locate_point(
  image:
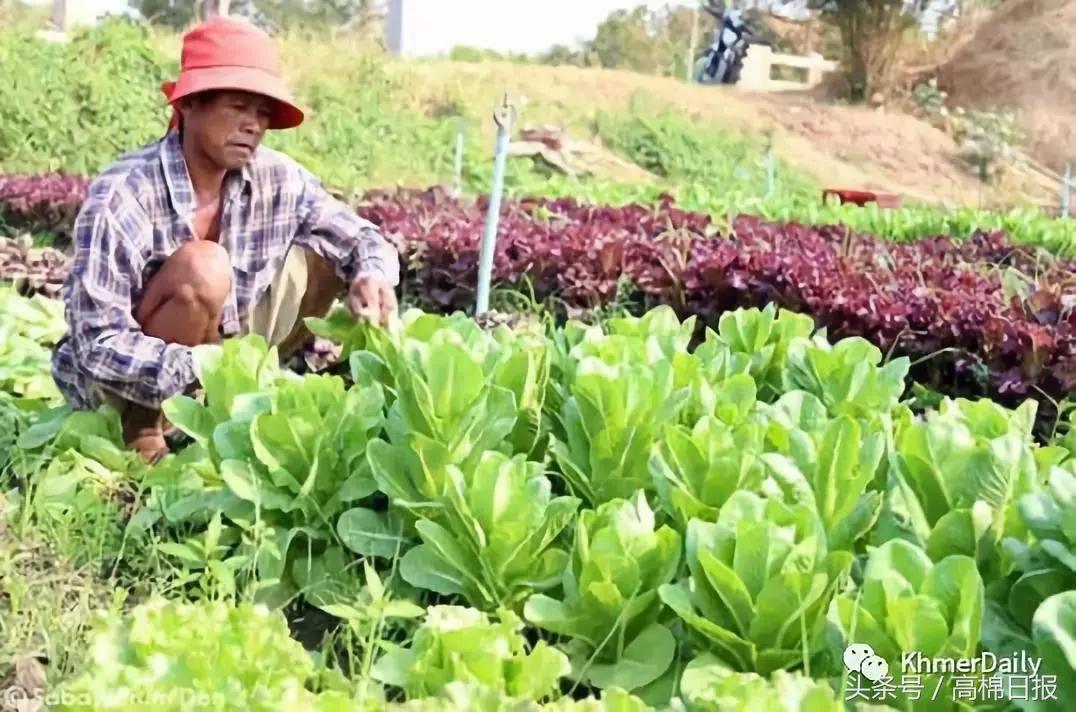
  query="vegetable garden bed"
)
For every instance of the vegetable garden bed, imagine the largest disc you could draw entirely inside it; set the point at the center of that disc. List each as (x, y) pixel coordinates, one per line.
(697, 501)
(508, 517)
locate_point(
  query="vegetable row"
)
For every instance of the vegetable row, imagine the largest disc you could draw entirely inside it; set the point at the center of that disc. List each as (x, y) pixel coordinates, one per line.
(698, 526)
(978, 316)
(49, 203)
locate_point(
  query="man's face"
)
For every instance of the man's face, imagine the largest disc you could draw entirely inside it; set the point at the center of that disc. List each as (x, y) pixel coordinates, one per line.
(227, 126)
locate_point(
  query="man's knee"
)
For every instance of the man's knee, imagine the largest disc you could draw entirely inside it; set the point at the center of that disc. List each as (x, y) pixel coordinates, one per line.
(201, 273)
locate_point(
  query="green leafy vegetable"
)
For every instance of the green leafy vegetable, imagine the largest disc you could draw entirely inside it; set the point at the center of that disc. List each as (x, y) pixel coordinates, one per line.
(461, 645)
(496, 544)
(910, 604)
(610, 606)
(708, 684)
(206, 655)
(761, 580)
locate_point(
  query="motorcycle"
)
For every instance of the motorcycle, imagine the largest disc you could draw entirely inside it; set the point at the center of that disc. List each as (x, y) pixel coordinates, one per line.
(723, 61)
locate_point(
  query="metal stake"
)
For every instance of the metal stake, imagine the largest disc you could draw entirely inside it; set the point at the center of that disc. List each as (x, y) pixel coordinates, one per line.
(504, 116)
(1066, 192)
(459, 158)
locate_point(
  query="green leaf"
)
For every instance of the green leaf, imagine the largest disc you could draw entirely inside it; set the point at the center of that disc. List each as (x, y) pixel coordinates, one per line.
(182, 552)
(455, 556)
(967, 532)
(834, 483)
(734, 597)
(918, 623)
(244, 483)
(359, 485)
(402, 609)
(1031, 589)
(739, 653)
(104, 451)
(901, 558)
(553, 615)
(394, 668)
(857, 523)
(190, 417)
(1054, 631)
(287, 446)
(540, 672)
(644, 660)
(371, 533)
(781, 610)
(455, 381)
(272, 556)
(423, 568)
(231, 441)
(956, 584)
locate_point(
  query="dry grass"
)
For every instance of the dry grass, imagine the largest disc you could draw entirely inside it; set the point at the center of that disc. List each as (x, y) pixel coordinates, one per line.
(1023, 59)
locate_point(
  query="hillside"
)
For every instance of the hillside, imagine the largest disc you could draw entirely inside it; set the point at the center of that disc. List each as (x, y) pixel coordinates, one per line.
(1022, 58)
(377, 121)
(834, 145)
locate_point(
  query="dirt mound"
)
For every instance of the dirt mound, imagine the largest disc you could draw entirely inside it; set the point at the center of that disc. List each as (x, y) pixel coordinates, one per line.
(1023, 59)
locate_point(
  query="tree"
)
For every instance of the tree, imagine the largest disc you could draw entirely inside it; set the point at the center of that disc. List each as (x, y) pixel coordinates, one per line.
(623, 41)
(214, 8)
(560, 54)
(178, 14)
(332, 13)
(871, 34)
(653, 42)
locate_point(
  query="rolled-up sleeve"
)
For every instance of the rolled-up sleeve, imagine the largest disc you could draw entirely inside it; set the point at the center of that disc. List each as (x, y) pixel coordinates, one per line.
(351, 243)
(106, 341)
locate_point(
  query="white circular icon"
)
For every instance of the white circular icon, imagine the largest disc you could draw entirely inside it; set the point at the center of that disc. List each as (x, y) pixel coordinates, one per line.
(855, 654)
(860, 657)
(874, 668)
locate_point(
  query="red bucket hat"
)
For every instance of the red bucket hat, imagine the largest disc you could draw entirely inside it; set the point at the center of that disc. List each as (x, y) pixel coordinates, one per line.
(225, 53)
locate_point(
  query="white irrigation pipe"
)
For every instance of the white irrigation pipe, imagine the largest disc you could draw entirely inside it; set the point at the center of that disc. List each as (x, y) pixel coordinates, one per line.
(504, 116)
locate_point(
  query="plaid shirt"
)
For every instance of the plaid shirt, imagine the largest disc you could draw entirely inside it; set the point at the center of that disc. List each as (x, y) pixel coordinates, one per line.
(138, 212)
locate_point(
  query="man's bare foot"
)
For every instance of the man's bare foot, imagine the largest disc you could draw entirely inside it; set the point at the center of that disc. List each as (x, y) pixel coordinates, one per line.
(143, 431)
(150, 445)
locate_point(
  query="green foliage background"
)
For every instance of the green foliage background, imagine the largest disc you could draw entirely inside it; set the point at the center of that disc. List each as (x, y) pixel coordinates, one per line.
(74, 107)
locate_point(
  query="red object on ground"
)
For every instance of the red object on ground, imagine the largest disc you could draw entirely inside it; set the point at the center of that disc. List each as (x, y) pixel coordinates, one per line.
(862, 197)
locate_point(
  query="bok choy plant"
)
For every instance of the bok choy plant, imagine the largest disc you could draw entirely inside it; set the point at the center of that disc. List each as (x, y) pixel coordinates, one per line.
(290, 451)
(462, 645)
(496, 545)
(761, 580)
(609, 609)
(908, 604)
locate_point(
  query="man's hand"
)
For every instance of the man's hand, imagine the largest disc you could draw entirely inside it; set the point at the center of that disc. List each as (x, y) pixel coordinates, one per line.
(373, 299)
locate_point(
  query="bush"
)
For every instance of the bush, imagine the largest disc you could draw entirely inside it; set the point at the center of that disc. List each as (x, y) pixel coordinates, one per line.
(63, 114)
(75, 106)
(682, 151)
